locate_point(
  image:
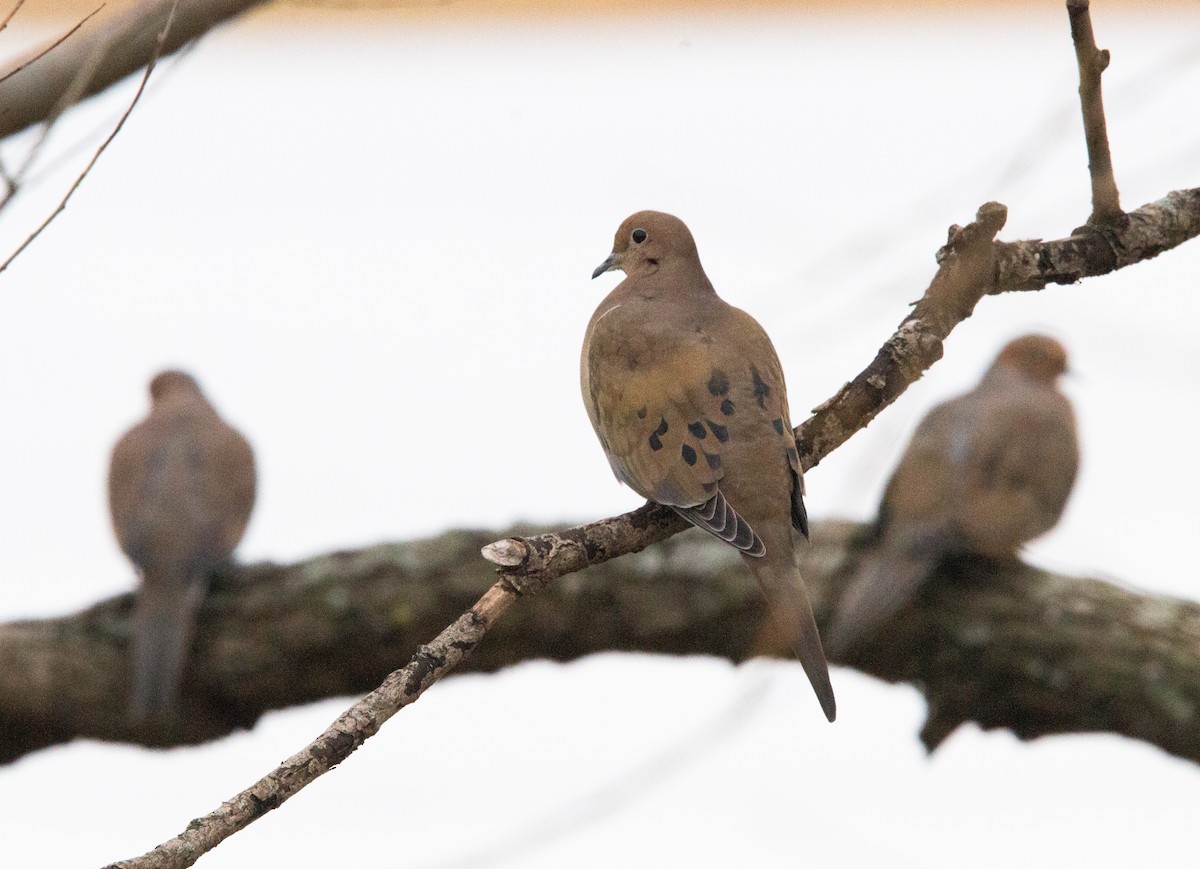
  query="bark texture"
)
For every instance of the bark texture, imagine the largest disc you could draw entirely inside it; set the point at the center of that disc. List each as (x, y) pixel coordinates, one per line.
(1000, 644)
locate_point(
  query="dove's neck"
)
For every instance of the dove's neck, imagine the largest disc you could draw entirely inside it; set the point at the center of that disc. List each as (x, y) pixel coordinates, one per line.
(671, 282)
(1008, 376)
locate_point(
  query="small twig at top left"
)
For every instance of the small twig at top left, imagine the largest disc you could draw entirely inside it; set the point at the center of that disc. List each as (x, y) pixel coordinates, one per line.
(9, 16)
(14, 180)
(53, 45)
(62, 205)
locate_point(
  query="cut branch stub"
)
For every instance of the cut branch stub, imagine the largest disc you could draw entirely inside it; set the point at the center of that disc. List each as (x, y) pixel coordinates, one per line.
(549, 556)
(509, 552)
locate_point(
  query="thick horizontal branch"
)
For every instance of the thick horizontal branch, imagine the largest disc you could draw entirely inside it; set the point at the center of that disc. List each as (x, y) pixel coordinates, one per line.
(100, 54)
(999, 644)
(1147, 232)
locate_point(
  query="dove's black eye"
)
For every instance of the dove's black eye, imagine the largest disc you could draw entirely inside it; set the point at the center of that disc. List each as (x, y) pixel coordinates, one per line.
(639, 235)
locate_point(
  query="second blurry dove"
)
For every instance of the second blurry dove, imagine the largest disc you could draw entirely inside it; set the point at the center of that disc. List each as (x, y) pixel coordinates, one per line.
(984, 473)
(181, 487)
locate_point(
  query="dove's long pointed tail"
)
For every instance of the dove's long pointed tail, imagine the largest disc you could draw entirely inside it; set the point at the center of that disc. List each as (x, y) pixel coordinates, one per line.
(792, 612)
(162, 636)
(888, 580)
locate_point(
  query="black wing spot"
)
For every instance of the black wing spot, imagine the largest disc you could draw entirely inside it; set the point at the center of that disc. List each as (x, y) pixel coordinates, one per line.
(778, 423)
(719, 431)
(662, 427)
(689, 454)
(641, 413)
(761, 390)
(718, 382)
(655, 443)
(727, 407)
(793, 455)
(697, 430)
(714, 461)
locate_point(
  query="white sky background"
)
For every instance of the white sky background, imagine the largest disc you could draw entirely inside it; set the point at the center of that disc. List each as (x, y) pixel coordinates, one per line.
(371, 240)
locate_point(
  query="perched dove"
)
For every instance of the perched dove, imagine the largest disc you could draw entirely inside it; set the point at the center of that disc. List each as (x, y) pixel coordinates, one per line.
(687, 397)
(180, 487)
(983, 474)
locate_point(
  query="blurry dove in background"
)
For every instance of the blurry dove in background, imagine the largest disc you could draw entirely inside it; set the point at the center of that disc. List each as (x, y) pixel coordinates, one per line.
(983, 474)
(687, 397)
(180, 488)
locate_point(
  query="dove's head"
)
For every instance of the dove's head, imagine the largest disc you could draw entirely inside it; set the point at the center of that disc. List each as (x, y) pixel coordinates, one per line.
(170, 383)
(1038, 357)
(648, 240)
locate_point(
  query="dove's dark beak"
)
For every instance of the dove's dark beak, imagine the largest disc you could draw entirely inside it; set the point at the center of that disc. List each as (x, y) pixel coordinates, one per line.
(605, 266)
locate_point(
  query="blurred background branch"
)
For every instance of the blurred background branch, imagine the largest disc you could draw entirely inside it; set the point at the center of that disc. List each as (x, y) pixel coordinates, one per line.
(1002, 645)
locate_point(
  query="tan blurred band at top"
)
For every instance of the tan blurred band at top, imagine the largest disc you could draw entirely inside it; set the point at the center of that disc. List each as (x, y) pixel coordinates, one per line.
(58, 9)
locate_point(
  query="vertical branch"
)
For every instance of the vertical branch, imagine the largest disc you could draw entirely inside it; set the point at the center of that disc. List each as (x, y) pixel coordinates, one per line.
(1106, 204)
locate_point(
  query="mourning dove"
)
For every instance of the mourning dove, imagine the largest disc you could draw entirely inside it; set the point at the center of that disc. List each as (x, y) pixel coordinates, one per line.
(687, 397)
(984, 473)
(180, 488)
